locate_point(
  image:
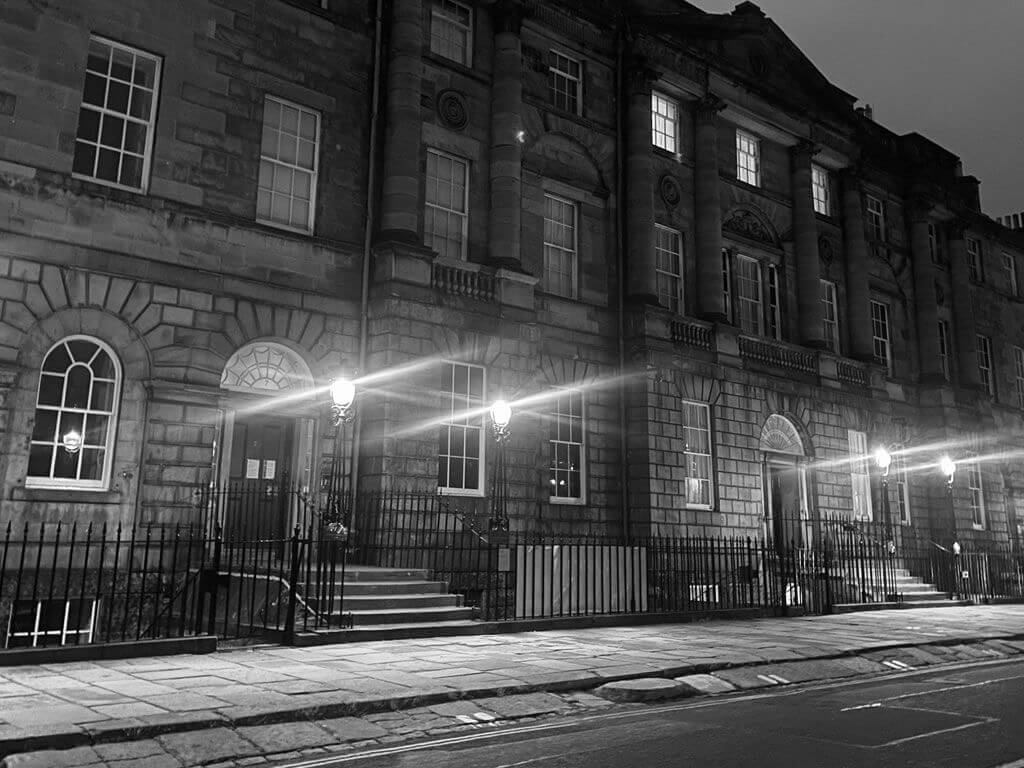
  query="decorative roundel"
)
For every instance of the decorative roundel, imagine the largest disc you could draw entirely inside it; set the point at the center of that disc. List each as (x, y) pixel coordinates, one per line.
(451, 106)
(826, 250)
(670, 191)
(940, 294)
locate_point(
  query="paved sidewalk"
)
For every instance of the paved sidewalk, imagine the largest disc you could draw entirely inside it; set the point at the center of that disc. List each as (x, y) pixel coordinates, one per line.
(60, 706)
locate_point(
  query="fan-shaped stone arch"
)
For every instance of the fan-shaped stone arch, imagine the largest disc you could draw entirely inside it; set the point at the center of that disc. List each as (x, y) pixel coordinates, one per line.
(266, 368)
(751, 223)
(779, 435)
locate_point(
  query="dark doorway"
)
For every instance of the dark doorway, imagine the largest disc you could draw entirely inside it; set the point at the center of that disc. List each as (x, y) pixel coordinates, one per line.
(261, 454)
(784, 522)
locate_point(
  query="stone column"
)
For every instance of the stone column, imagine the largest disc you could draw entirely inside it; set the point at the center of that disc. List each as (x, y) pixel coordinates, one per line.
(805, 244)
(855, 249)
(926, 312)
(708, 210)
(964, 331)
(400, 199)
(506, 142)
(642, 285)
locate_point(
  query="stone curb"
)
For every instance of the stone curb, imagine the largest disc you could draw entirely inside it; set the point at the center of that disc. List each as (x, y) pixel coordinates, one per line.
(320, 707)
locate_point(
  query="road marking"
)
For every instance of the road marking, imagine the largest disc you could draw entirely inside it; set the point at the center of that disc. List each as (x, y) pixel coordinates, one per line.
(872, 705)
(770, 679)
(897, 664)
(906, 739)
(1014, 764)
(779, 679)
(713, 701)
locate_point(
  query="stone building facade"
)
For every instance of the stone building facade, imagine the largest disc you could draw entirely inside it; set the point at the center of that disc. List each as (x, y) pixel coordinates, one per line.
(708, 284)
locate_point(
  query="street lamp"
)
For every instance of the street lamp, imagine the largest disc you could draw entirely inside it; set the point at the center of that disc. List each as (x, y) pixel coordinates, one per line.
(883, 459)
(948, 468)
(501, 415)
(343, 395)
(72, 441)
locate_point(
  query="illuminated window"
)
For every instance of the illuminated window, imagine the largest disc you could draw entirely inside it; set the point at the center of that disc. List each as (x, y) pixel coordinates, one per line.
(748, 158)
(664, 122)
(821, 189)
(564, 82)
(460, 436)
(668, 247)
(42, 623)
(974, 268)
(985, 373)
(451, 30)
(289, 156)
(566, 449)
(1010, 268)
(75, 418)
(1018, 366)
(446, 217)
(696, 433)
(876, 218)
(977, 494)
(748, 294)
(559, 246)
(860, 474)
(114, 142)
(830, 315)
(944, 349)
(882, 346)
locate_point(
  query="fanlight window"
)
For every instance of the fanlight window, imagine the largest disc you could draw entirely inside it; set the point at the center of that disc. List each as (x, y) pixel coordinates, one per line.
(76, 415)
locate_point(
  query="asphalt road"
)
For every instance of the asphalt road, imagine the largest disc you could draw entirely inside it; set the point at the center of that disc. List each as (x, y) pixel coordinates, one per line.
(968, 716)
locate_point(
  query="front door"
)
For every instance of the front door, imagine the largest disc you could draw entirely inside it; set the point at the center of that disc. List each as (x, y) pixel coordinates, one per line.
(261, 454)
(786, 521)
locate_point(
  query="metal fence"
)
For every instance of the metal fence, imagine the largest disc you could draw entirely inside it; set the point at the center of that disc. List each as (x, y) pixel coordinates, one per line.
(258, 576)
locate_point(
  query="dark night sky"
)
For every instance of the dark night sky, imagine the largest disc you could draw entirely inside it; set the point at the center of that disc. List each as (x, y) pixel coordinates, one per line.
(951, 70)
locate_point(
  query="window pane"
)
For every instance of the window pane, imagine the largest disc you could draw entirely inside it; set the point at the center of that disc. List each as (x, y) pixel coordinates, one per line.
(45, 428)
(70, 422)
(89, 125)
(76, 393)
(85, 159)
(50, 389)
(96, 429)
(95, 90)
(117, 96)
(107, 168)
(39, 459)
(92, 464)
(131, 171)
(66, 465)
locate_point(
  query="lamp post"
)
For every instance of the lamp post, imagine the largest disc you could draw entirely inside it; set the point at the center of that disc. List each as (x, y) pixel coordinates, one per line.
(948, 468)
(343, 395)
(501, 415)
(883, 459)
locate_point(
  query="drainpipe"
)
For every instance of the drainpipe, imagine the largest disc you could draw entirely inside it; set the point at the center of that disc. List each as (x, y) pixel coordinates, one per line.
(620, 265)
(371, 185)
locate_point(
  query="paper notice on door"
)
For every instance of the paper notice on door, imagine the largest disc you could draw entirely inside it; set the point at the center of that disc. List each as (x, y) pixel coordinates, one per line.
(252, 469)
(269, 467)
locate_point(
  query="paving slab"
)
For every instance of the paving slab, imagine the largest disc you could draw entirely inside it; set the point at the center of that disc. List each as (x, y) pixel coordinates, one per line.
(200, 747)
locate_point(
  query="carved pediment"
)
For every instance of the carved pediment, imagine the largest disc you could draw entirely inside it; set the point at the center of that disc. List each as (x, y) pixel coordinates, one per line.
(746, 223)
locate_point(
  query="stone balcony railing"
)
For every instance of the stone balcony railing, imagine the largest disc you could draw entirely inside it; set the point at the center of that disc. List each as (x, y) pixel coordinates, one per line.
(692, 333)
(777, 354)
(465, 279)
(852, 373)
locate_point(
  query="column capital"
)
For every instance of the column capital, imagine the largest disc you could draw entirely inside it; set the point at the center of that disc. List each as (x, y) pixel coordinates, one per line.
(805, 149)
(708, 107)
(508, 16)
(956, 229)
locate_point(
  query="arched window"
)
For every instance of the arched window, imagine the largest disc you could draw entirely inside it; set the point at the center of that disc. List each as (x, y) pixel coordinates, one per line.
(76, 416)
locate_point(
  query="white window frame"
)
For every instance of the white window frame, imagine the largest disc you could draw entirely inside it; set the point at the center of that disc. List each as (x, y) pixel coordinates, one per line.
(975, 269)
(748, 158)
(552, 248)
(977, 490)
(104, 112)
(695, 461)
(560, 66)
(727, 283)
(830, 316)
(117, 383)
(944, 350)
(860, 475)
(773, 317)
(64, 633)
(273, 163)
(881, 333)
(1010, 268)
(1018, 369)
(444, 16)
(436, 211)
(821, 189)
(462, 411)
(875, 217)
(899, 469)
(562, 444)
(668, 260)
(986, 367)
(665, 122)
(749, 309)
